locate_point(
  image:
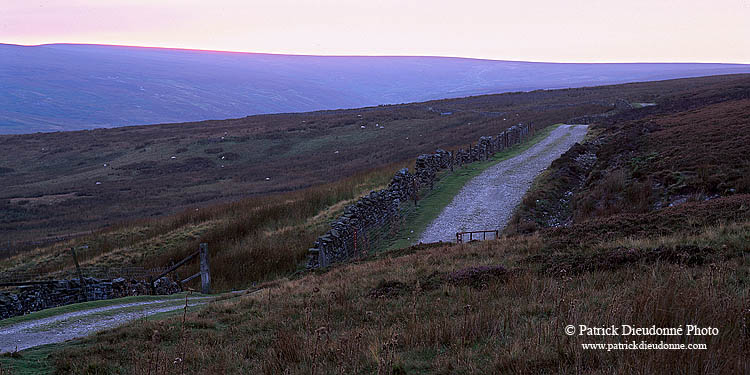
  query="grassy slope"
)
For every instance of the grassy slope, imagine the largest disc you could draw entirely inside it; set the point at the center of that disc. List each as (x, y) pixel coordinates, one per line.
(262, 237)
(243, 232)
(31, 362)
(254, 236)
(46, 178)
(429, 207)
(426, 313)
(252, 240)
(411, 311)
(692, 149)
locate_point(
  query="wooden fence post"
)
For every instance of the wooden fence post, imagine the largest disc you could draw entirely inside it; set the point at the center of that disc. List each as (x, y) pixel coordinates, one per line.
(205, 272)
(78, 267)
(151, 285)
(80, 274)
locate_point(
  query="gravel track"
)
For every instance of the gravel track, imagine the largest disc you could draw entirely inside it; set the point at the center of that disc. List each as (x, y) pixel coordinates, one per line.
(82, 323)
(487, 201)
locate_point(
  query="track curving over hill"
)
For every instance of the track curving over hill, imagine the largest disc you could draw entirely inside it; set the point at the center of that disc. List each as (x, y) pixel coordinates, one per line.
(488, 200)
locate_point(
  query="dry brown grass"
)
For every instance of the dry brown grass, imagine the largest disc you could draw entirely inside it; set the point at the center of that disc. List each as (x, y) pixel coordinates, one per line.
(251, 240)
(686, 149)
(493, 307)
(332, 323)
(617, 193)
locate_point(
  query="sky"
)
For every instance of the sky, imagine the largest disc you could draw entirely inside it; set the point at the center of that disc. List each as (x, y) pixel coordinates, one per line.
(529, 30)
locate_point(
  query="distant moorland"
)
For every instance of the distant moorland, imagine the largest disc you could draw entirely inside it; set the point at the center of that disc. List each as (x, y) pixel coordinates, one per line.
(70, 87)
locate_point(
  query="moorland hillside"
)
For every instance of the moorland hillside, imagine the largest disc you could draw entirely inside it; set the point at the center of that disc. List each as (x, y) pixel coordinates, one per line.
(646, 224)
(55, 185)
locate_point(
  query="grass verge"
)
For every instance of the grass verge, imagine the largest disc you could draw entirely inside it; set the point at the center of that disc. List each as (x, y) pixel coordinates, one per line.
(28, 362)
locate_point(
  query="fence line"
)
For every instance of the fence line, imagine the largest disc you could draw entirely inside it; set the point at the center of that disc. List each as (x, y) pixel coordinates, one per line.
(461, 236)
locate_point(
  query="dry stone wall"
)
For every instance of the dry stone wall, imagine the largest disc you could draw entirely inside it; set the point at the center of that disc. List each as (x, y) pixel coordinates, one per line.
(379, 210)
(32, 298)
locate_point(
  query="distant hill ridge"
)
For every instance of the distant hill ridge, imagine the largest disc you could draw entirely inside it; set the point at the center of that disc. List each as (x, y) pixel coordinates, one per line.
(70, 87)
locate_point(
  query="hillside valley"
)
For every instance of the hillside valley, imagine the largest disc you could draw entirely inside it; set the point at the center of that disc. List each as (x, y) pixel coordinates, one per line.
(286, 187)
(58, 184)
(646, 222)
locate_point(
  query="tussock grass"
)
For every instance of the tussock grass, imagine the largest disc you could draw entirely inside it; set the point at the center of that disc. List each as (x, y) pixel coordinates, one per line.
(733, 237)
(27, 362)
(330, 323)
(251, 240)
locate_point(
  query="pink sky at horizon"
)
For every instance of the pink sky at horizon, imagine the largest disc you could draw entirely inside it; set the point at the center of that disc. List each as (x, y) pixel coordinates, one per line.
(533, 30)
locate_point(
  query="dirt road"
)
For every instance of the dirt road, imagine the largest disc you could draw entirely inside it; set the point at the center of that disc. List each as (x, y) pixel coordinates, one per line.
(62, 327)
(488, 200)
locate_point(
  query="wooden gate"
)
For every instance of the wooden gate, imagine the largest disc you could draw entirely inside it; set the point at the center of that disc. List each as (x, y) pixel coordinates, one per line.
(204, 272)
(461, 236)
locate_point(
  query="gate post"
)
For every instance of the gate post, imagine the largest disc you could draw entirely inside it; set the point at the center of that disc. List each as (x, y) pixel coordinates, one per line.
(151, 285)
(78, 267)
(205, 272)
(80, 275)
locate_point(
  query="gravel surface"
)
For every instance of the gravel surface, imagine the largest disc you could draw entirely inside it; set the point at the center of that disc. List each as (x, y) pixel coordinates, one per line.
(76, 324)
(488, 200)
